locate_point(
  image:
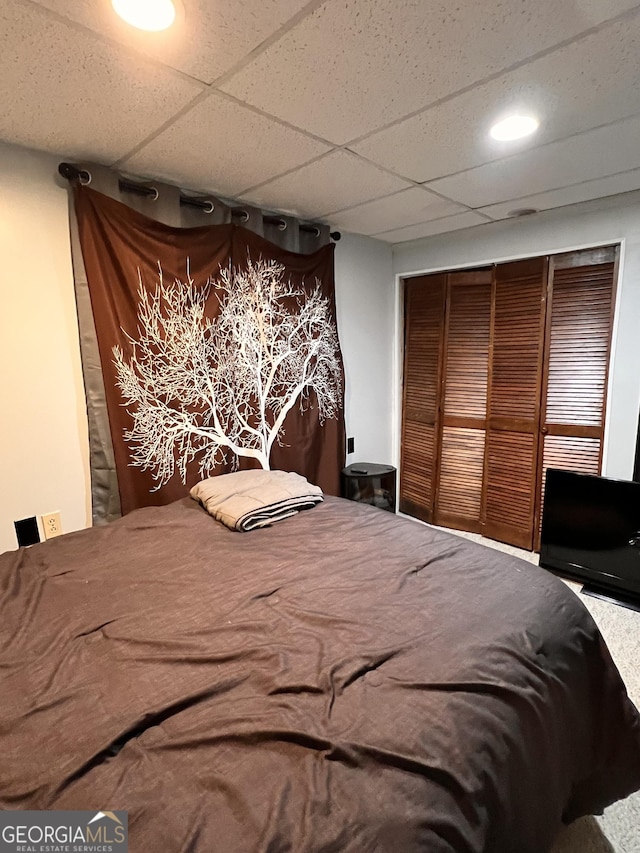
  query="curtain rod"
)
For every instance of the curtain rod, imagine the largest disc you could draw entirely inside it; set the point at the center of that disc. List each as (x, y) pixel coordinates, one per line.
(73, 173)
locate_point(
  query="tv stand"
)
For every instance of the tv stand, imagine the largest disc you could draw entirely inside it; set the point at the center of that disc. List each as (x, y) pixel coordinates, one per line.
(618, 597)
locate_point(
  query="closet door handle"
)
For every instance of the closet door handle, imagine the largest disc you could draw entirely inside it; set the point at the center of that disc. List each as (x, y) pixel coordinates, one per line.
(544, 430)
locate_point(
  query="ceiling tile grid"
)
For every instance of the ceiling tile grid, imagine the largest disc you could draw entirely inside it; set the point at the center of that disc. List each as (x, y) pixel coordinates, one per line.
(209, 37)
(370, 114)
(594, 154)
(67, 91)
(333, 182)
(223, 147)
(573, 89)
(353, 66)
(436, 226)
(407, 207)
(622, 182)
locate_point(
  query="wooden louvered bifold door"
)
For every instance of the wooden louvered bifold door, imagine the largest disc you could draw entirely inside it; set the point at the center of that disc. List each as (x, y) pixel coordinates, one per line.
(511, 456)
(464, 399)
(505, 376)
(424, 314)
(578, 343)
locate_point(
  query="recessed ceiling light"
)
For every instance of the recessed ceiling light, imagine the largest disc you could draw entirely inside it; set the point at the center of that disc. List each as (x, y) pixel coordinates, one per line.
(150, 15)
(514, 127)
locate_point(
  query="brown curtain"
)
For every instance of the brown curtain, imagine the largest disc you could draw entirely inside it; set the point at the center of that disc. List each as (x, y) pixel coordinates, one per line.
(179, 314)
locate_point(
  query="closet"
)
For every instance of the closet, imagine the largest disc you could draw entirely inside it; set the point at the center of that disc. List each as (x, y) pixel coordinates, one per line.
(505, 375)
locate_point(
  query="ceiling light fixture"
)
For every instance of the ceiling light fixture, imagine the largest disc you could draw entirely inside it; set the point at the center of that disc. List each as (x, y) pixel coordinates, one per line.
(150, 15)
(514, 127)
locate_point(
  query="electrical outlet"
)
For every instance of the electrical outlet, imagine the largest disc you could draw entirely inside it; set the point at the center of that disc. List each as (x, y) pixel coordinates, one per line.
(351, 442)
(51, 525)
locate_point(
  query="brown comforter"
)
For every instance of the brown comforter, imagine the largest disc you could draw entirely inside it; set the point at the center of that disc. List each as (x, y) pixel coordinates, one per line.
(343, 681)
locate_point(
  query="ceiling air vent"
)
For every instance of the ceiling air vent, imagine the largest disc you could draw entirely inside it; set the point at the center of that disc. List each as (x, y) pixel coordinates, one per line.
(522, 211)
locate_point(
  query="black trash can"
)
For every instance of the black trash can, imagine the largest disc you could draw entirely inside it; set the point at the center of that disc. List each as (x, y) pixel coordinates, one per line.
(370, 483)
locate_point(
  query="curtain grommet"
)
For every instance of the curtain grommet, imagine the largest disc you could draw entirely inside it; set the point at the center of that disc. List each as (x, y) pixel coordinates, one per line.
(240, 214)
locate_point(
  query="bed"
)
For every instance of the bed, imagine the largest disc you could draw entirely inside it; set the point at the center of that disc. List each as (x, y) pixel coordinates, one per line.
(344, 680)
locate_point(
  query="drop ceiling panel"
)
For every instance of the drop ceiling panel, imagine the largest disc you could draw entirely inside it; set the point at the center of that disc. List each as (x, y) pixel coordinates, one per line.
(333, 182)
(66, 91)
(407, 207)
(223, 147)
(595, 154)
(351, 67)
(573, 89)
(209, 37)
(600, 188)
(77, 81)
(429, 229)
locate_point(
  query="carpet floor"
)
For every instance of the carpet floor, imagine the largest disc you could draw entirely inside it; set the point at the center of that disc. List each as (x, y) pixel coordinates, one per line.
(618, 829)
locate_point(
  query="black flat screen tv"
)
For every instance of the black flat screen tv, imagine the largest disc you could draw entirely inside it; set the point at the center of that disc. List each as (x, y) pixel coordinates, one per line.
(591, 533)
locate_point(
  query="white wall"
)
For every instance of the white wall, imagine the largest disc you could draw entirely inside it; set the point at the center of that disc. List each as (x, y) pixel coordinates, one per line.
(594, 223)
(43, 431)
(44, 455)
(366, 326)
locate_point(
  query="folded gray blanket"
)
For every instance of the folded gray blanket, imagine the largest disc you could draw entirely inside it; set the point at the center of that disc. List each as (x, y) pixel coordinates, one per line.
(245, 500)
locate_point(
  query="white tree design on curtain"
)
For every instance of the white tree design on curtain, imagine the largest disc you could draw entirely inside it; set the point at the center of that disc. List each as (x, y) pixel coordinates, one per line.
(202, 388)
